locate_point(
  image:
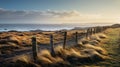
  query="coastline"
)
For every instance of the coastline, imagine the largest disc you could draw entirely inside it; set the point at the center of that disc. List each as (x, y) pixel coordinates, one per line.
(45, 27)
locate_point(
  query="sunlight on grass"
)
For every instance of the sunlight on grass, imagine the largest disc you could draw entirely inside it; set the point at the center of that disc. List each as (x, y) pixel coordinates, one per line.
(112, 46)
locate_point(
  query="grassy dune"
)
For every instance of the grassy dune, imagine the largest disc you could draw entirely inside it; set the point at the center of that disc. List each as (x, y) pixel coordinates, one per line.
(112, 46)
(87, 52)
(10, 41)
(99, 50)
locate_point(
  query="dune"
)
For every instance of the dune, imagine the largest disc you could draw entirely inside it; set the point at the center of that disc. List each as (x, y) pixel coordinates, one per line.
(88, 51)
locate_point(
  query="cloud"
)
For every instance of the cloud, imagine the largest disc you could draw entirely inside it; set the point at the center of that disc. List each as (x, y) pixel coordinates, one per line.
(13, 14)
(52, 16)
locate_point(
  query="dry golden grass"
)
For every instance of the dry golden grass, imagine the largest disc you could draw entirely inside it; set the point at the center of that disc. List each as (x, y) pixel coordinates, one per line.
(94, 42)
(101, 35)
(23, 39)
(88, 51)
(97, 48)
(72, 55)
(65, 57)
(23, 58)
(95, 37)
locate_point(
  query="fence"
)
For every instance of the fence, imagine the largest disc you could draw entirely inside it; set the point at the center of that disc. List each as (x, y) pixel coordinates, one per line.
(87, 33)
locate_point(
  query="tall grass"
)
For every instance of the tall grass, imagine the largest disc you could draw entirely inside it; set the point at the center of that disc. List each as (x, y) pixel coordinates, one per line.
(81, 54)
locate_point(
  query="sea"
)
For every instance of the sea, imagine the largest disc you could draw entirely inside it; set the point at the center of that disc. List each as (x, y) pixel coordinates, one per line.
(44, 27)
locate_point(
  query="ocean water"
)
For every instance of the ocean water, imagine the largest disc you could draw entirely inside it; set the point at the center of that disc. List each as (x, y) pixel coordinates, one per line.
(45, 27)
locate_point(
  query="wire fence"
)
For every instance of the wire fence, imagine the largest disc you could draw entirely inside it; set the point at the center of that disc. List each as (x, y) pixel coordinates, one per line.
(75, 37)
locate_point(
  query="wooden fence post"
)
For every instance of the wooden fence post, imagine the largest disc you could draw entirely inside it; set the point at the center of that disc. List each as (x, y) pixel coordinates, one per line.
(94, 30)
(100, 29)
(65, 39)
(104, 28)
(52, 45)
(34, 48)
(76, 38)
(90, 31)
(87, 33)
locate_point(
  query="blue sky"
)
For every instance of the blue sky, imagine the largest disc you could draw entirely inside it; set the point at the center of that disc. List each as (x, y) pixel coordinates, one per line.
(61, 11)
(46, 4)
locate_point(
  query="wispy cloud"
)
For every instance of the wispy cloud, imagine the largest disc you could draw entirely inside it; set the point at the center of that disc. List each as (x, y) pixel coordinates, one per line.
(52, 16)
(13, 14)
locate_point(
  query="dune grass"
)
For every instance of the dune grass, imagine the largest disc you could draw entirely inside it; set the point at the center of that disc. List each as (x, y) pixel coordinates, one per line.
(77, 55)
(111, 45)
(88, 54)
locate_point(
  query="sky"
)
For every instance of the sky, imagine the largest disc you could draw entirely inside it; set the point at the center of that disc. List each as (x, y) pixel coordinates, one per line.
(59, 11)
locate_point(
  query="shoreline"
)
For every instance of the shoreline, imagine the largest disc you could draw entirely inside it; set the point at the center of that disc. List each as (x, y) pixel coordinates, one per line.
(44, 27)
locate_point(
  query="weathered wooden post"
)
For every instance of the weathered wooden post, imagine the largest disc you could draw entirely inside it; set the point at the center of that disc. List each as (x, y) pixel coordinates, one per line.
(65, 39)
(90, 31)
(119, 39)
(104, 28)
(34, 48)
(52, 45)
(76, 38)
(94, 30)
(100, 29)
(87, 33)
